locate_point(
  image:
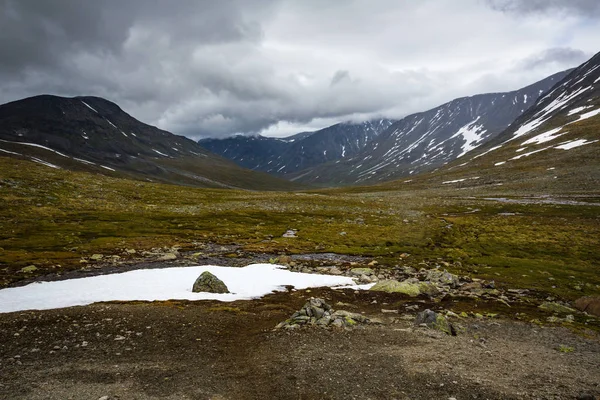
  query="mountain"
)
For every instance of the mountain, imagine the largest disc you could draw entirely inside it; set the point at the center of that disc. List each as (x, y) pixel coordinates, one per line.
(93, 134)
(298, 152)
(553, 147)
(430, 139)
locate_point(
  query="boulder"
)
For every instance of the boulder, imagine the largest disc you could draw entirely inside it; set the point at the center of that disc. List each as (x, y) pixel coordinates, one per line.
(207, 282)
(393, 286)
(588, 304)
(435, 321)
(29, 269)
(443, 278)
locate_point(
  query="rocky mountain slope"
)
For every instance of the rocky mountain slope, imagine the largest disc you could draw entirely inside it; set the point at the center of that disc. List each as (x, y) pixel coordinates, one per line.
(429, 139)
(552, 147)
(95, 135)
(298, 152)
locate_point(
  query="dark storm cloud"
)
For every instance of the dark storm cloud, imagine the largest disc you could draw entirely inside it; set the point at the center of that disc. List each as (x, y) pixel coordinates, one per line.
(584, 7)
(214, 68)
(558, 55)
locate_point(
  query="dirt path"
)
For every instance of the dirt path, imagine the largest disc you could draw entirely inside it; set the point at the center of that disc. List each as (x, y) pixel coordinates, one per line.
(211, 350)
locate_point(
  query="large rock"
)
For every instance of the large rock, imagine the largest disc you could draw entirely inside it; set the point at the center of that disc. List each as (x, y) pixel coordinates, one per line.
(588, 304)
(435, 321)
(407, 287)
(207, 282)
(443, 278)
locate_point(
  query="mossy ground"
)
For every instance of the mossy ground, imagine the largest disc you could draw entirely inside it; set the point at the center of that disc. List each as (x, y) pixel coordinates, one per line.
(52, 218)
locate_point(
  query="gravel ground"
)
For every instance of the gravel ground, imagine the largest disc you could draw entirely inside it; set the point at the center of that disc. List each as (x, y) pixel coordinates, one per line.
(211, 350)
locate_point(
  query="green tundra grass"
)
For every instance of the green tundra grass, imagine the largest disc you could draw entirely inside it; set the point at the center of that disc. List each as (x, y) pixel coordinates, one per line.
(51, 218)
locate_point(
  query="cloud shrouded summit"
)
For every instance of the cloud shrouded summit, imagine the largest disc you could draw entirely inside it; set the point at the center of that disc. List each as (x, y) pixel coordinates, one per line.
(215, 68)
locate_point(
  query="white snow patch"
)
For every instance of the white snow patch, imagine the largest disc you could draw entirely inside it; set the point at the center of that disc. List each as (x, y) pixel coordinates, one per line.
(454, 181)
(528, 154)
(542, 116)
(574, 143)
(162, 154)
(84, 161)
(544, 137)
(459, 180)
(10, 152)
(35, 145)
(589, 114)
(108, 168)
(88, 106)
(46, 163)
(578, 110)
(500, 163)
(343, 151)
(487, 151)
(246, 283)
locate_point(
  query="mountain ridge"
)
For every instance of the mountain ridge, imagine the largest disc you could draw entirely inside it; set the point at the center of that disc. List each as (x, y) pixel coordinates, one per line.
(95, 135)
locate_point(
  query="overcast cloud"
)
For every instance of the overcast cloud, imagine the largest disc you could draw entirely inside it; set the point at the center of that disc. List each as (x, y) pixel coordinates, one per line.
(278, 67)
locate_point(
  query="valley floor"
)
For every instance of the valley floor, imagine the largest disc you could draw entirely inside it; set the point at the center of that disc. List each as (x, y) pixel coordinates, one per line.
(212, 350)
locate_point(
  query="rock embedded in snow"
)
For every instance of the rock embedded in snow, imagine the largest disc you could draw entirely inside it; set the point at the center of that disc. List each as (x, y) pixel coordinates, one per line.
(207, 282)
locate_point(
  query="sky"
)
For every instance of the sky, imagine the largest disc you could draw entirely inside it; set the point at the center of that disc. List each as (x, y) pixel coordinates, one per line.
(208, 68)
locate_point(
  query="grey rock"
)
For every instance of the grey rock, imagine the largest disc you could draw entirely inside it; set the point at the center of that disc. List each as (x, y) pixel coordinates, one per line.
(207, 282)
(435, 321)
(443, 278)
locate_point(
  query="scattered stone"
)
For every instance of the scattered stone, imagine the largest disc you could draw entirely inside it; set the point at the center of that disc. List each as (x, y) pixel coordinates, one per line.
(317, 312)
(588, 304)
(130, 251)
(285, 260)
(207, 282)
(168, 257)
(443, 278)
(290, 233)
(29, 269)
(361, 271)
(556, 308)
(435, 321)
(472, 287)
(96, 257)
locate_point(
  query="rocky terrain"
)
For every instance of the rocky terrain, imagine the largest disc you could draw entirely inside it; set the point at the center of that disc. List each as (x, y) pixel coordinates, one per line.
(211, 350)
